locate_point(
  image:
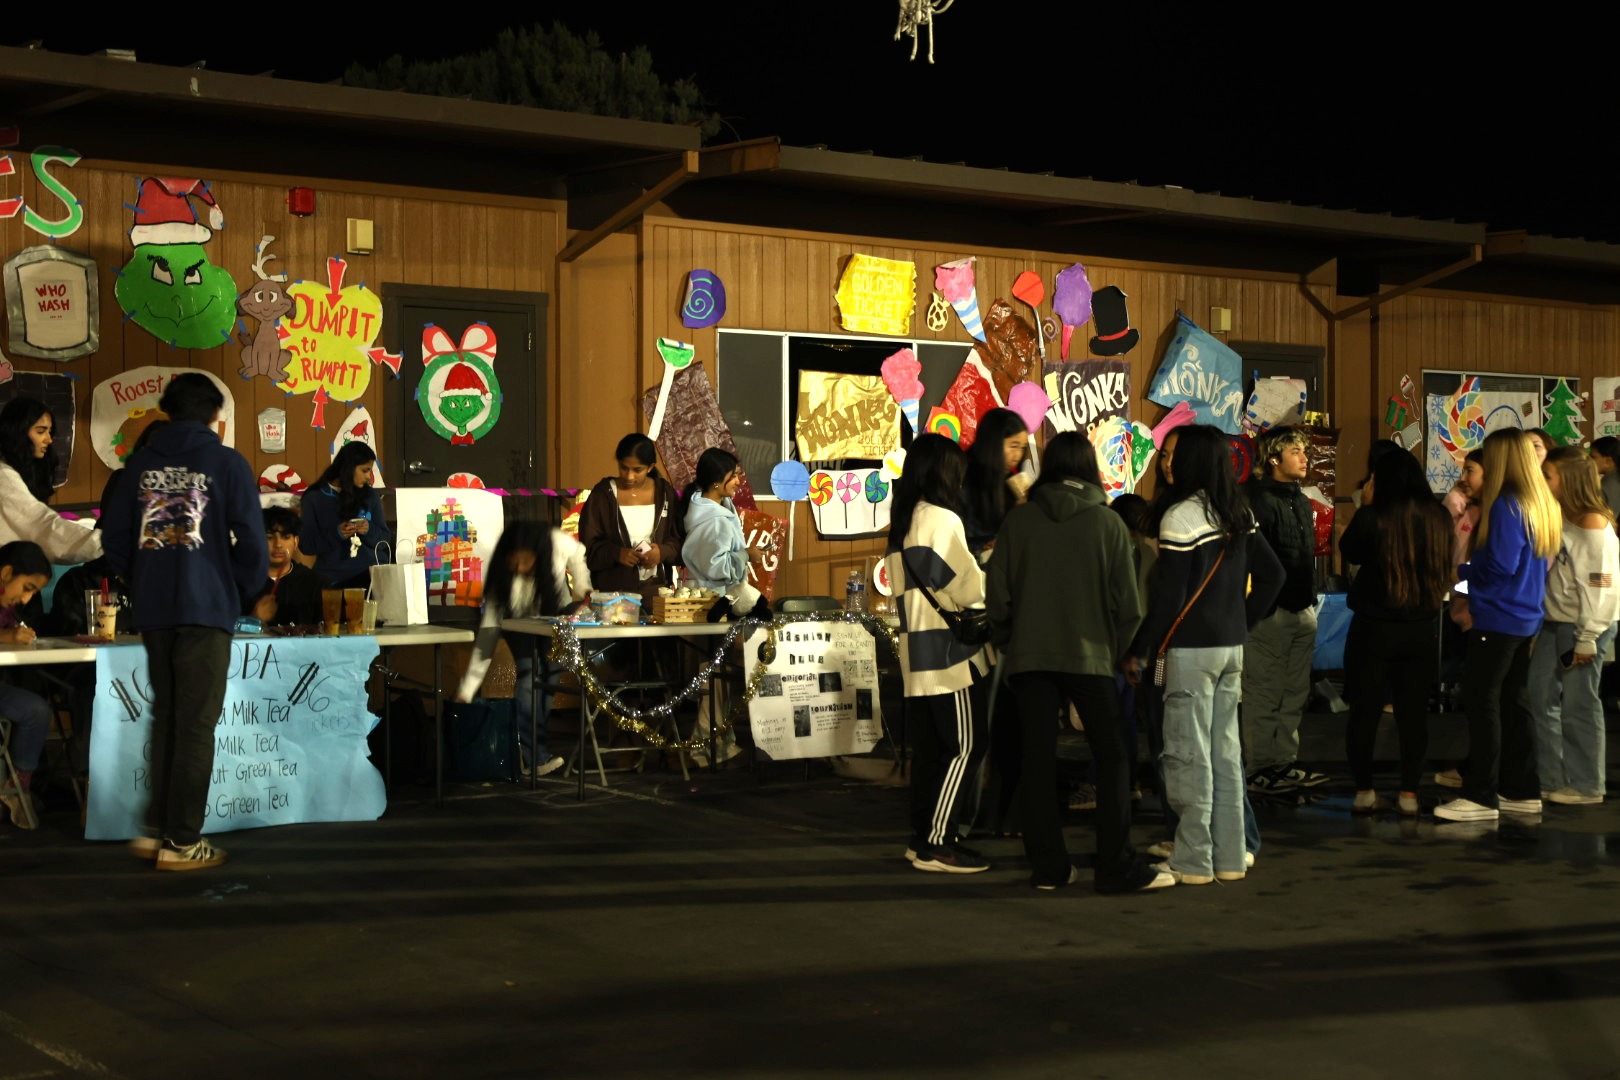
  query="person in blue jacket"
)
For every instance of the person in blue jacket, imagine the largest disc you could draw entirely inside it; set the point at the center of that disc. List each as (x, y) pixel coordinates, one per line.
(168, 531)
(343, 519)
(1520, 529)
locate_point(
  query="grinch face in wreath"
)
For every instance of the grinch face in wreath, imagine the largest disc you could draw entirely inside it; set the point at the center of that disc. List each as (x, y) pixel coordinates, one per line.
(460, 396)
(169, 288)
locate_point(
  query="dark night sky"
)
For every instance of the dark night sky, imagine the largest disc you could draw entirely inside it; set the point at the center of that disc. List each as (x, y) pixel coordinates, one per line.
(1509, 124)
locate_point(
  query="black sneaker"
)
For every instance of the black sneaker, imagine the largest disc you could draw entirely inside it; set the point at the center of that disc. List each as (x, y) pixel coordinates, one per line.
(1272, 781)
(944, 859)
(1304, 777)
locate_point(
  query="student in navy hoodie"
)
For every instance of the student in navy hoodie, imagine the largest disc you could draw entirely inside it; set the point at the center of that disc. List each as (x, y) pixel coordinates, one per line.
(168, 531)
(343, 519)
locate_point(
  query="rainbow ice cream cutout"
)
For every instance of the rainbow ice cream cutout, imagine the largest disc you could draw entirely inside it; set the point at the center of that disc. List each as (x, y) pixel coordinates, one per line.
(955, 283)
(900, 373)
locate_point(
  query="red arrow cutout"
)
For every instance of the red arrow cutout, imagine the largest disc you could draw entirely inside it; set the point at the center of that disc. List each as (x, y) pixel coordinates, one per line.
(320, 399)
(335, 269)
(386, 358)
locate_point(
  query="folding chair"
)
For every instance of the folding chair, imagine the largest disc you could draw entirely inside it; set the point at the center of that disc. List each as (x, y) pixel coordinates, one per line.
(8, 778)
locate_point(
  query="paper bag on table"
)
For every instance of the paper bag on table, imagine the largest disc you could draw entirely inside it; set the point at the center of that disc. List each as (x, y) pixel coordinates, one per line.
(401, 594)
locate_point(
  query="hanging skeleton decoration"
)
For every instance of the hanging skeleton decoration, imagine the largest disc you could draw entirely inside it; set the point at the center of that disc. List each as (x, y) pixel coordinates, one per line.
(915, 15)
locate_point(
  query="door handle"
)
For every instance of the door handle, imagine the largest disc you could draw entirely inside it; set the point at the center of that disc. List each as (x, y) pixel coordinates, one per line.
(416, 468)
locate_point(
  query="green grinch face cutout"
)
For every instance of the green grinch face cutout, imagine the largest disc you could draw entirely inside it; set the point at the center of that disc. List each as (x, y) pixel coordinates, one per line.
(460, 396)
(169, 288)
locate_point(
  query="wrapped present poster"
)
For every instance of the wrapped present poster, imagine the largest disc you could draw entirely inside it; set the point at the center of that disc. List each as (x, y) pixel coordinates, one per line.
(451, 533)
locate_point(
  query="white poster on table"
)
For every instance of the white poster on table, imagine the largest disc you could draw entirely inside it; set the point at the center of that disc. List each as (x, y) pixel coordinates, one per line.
(819, 697)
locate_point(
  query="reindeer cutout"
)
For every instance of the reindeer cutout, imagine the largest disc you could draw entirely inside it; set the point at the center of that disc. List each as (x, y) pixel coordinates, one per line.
(266, 300)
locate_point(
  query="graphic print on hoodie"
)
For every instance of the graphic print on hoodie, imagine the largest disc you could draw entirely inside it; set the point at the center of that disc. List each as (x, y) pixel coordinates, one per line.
(172, 503)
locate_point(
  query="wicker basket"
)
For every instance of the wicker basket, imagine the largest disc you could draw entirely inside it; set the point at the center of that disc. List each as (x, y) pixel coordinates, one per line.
(676, 609)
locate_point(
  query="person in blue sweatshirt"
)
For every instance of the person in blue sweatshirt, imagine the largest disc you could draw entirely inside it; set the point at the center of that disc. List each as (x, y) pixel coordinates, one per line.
(343, 519)
(169, 530)
(1520, 529)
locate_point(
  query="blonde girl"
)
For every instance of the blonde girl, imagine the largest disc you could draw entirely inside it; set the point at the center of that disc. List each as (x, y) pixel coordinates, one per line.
(1520, 530)
(1581, 606)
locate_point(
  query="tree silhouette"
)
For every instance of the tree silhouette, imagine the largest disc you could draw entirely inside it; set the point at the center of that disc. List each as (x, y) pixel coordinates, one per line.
(549, 68)
(1564, 415)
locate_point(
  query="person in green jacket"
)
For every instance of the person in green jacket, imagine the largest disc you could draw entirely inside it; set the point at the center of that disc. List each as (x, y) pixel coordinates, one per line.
(1063, 604)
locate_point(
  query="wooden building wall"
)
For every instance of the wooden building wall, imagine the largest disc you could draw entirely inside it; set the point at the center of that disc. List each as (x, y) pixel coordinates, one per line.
(785, 281)
(422, 237)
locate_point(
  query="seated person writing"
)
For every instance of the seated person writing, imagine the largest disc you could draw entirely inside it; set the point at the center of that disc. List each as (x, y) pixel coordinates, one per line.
(292, 596)
(24, 571)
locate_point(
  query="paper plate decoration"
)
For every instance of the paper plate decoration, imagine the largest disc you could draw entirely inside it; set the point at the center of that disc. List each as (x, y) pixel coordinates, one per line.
(330, 332)
(1275, 402)
(1203, 372)
(1071, 301)
(1115, 336)
(790, 481)
(1029, 288)
(459, 395)
(943, 423)
(852, 503)
(57, 393)
(1563, 414)
(695, 424)
(265, 301)
(1030, 402)
(53, 299)
(880, 578)
(877, 296)
(358, 425)
(282, 478)
(955, 283)
(844, 416)
(894, 465)
(1011, 350)
(676, 356)
(705, 300)
(462, 480)
(169, 288)
(122, 406)
(900, 373)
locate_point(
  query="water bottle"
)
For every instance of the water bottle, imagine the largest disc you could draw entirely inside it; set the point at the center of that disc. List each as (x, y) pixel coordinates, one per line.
(855, 593)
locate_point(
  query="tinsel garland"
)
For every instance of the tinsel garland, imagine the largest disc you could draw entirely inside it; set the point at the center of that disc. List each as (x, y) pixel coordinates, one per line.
(567, 651)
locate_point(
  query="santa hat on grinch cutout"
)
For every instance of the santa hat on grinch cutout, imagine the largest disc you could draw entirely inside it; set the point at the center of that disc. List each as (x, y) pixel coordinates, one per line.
(163, 212)
(464, 379)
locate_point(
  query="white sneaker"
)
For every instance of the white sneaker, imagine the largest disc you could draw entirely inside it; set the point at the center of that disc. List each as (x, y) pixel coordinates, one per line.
(1163, 849)
(1520, 806)
(1464, 810)
(1248, 860)
(1451, 778)
(1162, 880)
(549, 766)
(1181, 878)
(1568, 796)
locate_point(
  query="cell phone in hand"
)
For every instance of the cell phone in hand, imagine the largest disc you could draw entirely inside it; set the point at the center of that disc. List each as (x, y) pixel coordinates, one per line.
(357, 521)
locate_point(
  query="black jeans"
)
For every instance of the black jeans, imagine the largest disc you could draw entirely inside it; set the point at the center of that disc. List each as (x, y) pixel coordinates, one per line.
(1395, 661)
(948, 741)
(1501, 734)
(188, 666)
(1041, 697)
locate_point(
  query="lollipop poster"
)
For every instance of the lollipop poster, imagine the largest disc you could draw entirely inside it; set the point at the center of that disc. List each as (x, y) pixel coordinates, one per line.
(850, 503)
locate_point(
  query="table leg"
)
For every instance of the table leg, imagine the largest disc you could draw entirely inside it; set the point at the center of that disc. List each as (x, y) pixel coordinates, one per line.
(587, 722)
(534, 712)
(388, 723)
(438, 728)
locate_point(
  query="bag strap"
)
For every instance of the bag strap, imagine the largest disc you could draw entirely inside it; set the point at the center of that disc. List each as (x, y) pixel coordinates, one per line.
(926, 591)
(1165, 644)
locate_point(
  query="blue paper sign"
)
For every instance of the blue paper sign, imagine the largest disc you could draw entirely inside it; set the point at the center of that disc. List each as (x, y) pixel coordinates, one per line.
(790, 481)
(290, 745)
(1203, 372)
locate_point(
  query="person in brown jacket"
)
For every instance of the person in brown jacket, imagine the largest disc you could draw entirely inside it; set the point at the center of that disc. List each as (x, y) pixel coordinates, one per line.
(629, 526)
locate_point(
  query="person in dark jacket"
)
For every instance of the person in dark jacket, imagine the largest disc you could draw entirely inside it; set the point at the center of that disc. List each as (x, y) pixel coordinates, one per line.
(1215, 578)
(1063, 604)
(1277, 655)
(343, 519)
(169, 532)
(1401, 539)
(630, 526)
(292, 595)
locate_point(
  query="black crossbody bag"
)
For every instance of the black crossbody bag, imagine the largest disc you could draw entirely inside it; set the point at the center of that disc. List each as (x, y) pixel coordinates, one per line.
(970, 626)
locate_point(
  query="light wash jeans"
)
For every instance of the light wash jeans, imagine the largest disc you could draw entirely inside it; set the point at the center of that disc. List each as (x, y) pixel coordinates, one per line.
(1568, 712)
(1203, 758)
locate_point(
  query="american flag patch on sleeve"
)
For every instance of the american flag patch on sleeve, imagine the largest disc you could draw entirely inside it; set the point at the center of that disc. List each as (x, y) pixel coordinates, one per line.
(1599, 581)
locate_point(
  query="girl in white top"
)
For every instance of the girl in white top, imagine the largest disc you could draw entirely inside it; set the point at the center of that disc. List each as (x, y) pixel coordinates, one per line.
(1582, 604)
(27, 462)
(534, 570)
